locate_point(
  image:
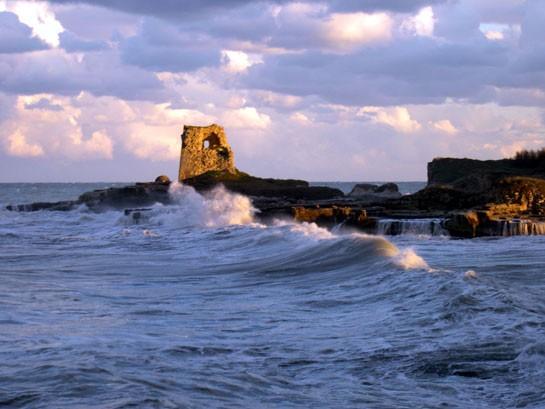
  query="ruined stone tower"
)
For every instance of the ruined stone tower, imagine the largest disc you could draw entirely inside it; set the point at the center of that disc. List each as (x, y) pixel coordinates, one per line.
(205, 148)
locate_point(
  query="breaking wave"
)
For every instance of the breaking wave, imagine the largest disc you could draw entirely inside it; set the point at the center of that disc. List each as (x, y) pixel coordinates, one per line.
(197, 303)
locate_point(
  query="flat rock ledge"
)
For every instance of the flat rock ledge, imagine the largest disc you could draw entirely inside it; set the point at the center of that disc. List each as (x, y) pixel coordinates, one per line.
(507, 205)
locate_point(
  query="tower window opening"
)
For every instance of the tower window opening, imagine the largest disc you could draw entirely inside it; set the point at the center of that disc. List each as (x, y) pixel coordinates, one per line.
(211, 142)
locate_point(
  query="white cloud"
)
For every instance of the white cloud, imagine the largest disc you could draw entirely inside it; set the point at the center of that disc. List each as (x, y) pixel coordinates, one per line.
(39, 17)
(237, 61)
(236, 101)
(59, 132)
(99, 145)
(300, 118)
(17, 145)
(348, 30)
(247, 117)
(277, 100)
(155, 135)
(494, 35)
(496, 31)
(445, 126)
(398, 118)
(422, 24)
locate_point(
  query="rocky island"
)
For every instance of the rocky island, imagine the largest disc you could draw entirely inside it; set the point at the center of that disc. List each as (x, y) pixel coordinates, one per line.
(464, 197)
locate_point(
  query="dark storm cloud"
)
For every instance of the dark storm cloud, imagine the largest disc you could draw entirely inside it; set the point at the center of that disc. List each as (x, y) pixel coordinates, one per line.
(165, 8)
(417, 70)
(44, 104)
(163, 48)
(401, 6)
(97, 73)
(16, 37)
(456, 62)
(72, 43)
(177, 9)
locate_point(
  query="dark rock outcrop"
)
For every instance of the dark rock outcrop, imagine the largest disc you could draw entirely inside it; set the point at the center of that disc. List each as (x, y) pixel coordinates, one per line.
(478, 175)
(332, 215)
(374, 193)
(246, 184)
(137, 195)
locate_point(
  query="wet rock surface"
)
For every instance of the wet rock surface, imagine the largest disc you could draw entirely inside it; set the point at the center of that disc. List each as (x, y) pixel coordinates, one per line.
(466, 205)
(282, 189)
(137, 195)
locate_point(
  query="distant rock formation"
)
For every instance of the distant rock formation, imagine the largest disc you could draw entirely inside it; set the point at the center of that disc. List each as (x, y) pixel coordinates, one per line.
(474, 175)
(374, 193)
(205, 149)
(137, 195)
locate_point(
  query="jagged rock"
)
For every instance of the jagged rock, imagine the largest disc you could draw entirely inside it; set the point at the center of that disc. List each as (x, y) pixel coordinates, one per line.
(462, 224)
(333, 215)
(205, 149)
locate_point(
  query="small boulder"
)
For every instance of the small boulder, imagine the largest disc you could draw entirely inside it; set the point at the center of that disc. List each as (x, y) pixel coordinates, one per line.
(163, 179)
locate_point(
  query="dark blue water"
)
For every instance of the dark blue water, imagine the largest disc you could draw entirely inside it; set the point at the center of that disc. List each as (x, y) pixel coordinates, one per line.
(198, 306)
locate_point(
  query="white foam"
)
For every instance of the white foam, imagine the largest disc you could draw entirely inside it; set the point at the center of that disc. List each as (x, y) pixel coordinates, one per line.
(409, 260)
(216, 208)
(306, 229)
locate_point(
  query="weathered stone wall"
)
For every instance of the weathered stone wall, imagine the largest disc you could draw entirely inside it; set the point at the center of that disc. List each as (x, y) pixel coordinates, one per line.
(204, 149)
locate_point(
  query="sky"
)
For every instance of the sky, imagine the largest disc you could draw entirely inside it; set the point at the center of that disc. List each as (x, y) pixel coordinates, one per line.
(353, 90)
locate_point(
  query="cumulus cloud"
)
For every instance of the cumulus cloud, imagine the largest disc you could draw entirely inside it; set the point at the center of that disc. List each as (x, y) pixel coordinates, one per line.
(421, 24)
(41, 131)
(300, 118)
(39, 17)
(280, 75)
(445, 126)
(398, 118)
(238, 61)
(355, 29)
(16, 37)
(17, 145)
(247, 118)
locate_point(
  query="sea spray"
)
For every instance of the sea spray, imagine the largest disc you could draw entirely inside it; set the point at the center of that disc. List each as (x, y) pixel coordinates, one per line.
(216, 208)
(220, 208)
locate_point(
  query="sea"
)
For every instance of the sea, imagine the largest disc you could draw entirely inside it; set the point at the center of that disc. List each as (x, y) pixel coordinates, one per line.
(199, 305)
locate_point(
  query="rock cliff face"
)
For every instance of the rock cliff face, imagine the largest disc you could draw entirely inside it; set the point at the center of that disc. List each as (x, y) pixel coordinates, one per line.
(478, 175)
(205, 149)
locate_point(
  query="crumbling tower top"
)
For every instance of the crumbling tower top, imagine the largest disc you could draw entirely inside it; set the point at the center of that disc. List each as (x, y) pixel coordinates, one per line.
(204, 149)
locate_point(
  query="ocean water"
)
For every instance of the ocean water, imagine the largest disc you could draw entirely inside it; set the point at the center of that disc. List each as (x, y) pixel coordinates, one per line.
(199, 306)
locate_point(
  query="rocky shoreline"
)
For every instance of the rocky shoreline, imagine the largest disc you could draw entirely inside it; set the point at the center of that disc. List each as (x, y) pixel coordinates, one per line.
(493, 201)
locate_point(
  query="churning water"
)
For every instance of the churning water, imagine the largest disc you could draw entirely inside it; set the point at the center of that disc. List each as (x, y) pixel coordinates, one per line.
(198, 305)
